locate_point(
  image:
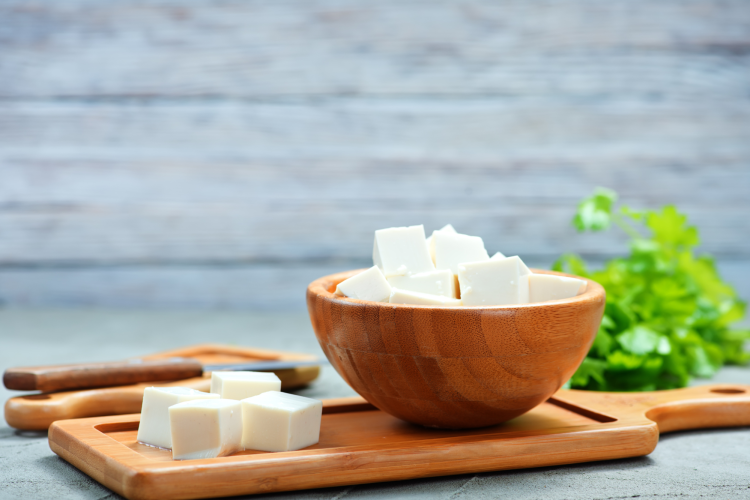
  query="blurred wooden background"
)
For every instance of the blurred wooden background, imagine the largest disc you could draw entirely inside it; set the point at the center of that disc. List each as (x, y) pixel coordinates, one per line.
(226, 153)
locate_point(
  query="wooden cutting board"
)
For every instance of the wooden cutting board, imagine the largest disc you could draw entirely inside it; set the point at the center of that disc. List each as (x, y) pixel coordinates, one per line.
(361, 444)
(38, 411)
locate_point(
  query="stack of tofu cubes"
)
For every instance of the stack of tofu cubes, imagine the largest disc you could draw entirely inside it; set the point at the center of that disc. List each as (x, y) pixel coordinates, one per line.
(449, 269)
(243, 411)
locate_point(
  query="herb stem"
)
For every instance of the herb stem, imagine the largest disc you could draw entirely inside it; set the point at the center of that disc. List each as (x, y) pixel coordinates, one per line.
(620, 221)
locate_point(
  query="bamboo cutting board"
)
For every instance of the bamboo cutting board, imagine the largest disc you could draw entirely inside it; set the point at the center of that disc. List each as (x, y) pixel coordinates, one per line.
(38, 411)
(361, 444)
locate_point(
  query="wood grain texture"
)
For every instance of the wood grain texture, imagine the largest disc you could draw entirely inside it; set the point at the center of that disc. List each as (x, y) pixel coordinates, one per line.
(129, 206)
(63, 377)
(39, 411)
(364, 127)
(453, 368)
(359, 444)
(263, 49)
(145, 139)
(298, 183)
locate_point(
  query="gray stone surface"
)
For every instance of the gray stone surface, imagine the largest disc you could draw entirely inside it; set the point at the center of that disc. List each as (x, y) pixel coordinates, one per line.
(707, 463)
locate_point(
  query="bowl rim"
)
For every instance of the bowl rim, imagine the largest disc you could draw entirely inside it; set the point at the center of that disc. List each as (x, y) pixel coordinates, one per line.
(594, 291)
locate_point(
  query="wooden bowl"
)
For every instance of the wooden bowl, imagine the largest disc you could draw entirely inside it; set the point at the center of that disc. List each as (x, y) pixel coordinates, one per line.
(454, 368)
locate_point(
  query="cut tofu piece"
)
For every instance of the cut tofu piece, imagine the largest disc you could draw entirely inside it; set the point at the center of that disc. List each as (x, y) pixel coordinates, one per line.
(496, 282)
(205, 428)
(544, 287)
(433, 282)
(275, 421)
(446, 228)
(153, 429)
(524, 268)
(499, 255)
(452, 249)
(367, 285)
(398, 251)
(241, 385)
(399, 296)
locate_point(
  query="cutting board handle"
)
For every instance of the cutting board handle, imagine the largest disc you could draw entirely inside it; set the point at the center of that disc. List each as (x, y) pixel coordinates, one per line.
(702, 407)
(705, 406)
(132, 371)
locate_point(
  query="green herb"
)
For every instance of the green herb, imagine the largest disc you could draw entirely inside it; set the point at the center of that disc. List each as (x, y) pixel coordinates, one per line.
(668, 313)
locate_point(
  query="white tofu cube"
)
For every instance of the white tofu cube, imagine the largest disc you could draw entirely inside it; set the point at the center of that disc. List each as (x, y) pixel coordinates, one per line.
(401, 250)
(494, 282)
(205, 428)
(275, 421)
(399, 296)
(544, 287)
(452, 249)
(433, 282)
(448, 229)
(524, 268)
(241, 385)
(499, 256)
(153, 429)
(367, 285)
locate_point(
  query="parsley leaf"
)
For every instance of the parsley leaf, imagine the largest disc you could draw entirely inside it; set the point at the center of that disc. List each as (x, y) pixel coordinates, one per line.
(668, 314)
(594, 212)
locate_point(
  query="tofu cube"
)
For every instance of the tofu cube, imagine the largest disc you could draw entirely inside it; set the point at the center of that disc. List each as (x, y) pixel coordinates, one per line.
(275, 421)
(205, 428)
(452, 249)
(432, 282)
(544, 287)
(494, 282)
(153, 429)
(448, 229)
(241, 385)
(367, 285)
(399, 296)
(499, 256)
(401, 250)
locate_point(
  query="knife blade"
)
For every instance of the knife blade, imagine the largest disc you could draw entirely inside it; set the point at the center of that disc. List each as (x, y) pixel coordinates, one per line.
(88, 375)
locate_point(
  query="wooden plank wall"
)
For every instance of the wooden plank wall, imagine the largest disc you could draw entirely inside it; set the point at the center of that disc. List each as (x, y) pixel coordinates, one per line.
(200, 153)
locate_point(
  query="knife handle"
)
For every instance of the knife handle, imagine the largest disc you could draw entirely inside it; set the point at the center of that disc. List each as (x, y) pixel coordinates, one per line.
(64, 377)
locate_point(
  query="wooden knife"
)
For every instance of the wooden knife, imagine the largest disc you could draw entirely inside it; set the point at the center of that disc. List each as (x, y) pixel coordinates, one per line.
(133, 371)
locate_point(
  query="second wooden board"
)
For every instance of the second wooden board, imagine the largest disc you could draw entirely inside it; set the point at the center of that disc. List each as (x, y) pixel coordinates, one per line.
(38, 411)
(360, 444)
